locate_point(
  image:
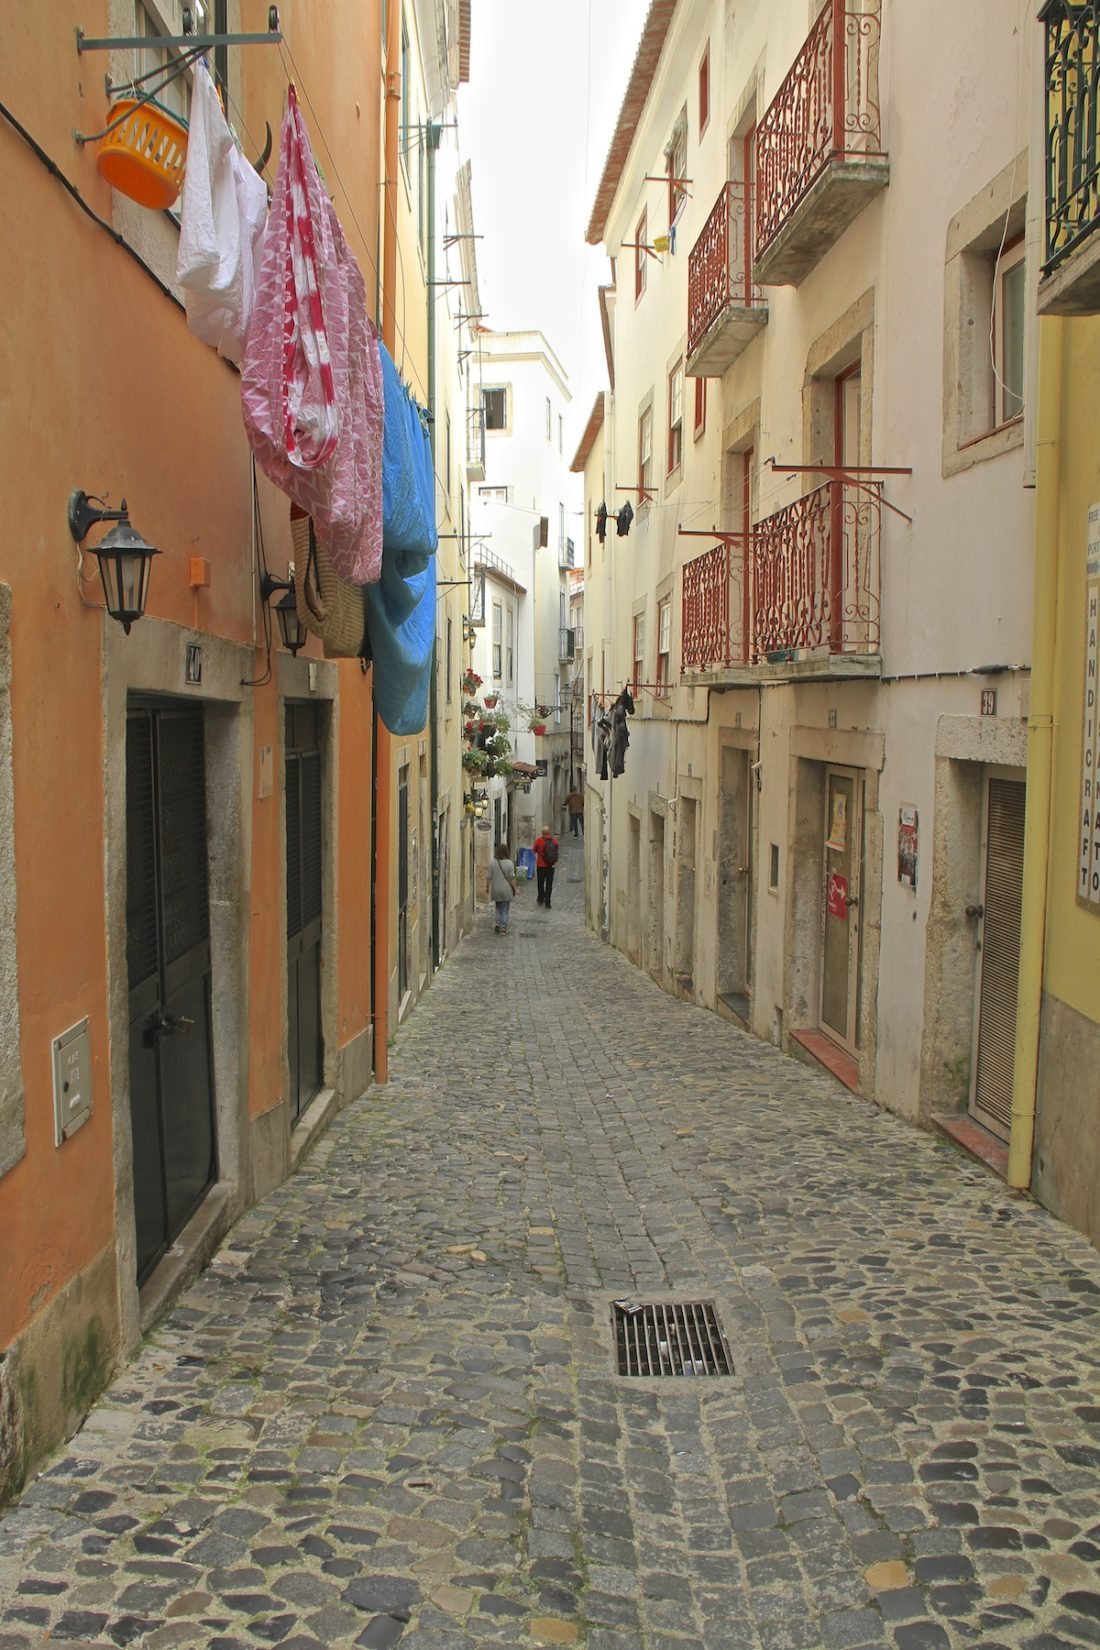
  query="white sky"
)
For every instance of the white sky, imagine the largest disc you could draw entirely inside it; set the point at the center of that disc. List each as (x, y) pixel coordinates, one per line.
(547, 81)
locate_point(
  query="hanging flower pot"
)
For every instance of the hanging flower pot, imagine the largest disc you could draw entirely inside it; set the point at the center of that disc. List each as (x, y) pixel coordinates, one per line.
(143, 155)
(491, 700)
(471, 682)
(538, 727)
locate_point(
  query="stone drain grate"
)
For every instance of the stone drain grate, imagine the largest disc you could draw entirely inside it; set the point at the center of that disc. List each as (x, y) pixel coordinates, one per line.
(670, 1338)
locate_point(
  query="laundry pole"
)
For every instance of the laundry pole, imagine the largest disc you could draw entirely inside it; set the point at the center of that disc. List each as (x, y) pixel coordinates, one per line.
(381, 931)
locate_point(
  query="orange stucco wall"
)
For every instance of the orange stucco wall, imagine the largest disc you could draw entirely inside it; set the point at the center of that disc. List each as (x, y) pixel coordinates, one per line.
(107, 390)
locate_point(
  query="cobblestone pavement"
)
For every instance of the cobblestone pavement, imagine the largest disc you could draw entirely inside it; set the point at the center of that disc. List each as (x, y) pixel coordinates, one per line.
(389, 1412)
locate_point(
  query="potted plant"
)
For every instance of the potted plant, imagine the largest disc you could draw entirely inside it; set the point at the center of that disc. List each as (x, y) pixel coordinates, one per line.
(491, 700)
(536, 717)
(471, 682)
(475, 761)
(470, 709)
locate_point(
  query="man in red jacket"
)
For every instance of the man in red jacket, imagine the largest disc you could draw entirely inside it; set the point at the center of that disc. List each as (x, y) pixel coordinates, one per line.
(546, 857)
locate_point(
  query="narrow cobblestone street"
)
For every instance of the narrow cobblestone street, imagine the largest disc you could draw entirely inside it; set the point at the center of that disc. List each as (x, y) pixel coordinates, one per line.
(389, 1411)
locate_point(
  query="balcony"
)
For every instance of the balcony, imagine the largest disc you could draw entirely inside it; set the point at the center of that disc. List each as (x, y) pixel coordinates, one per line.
(725, 310)
(819, 156)
(475, 444)
(798, 599)
(566, 554)
(1070, 283)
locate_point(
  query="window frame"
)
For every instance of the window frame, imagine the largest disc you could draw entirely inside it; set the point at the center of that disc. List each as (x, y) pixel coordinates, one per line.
(497, 644)
(641, 257)
(699, 423)
(645, 455)
(638, 649)
(704, 89)
(1011, 263)
(674, 455)
(510, 645)
(664, 647)
(676, 167)
(495, 389)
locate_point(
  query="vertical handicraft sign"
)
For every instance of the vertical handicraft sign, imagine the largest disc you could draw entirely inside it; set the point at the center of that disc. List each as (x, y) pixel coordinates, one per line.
(1088, 871)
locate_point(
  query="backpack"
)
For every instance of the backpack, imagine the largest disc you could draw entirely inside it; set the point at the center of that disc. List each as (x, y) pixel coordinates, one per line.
(549, 851)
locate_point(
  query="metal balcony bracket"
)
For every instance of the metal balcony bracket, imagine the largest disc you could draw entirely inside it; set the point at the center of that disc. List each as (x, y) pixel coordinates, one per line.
(646, 495)
(851, 475)
(714, 534)
(642, 246)
(203, 42)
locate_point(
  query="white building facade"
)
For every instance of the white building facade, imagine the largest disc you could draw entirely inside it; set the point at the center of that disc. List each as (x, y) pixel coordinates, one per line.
(820, 364)
(523, 514)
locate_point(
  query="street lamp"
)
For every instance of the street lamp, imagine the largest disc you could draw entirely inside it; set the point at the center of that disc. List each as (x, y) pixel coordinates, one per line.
(124, 557)
(291, 629)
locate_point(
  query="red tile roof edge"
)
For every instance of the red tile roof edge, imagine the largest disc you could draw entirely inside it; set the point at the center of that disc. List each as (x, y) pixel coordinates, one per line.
(654, 35)
(591, 431)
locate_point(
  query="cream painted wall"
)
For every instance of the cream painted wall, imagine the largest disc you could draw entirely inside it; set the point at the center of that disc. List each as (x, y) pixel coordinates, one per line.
(955, 580)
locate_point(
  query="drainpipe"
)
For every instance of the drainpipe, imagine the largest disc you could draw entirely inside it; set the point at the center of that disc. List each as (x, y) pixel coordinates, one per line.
(432, 134)
(382, 745)
(1040, 743)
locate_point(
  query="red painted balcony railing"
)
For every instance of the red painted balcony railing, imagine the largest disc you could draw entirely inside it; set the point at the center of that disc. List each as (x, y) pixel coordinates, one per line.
(815, 574)
(720, 264)
(715, 589)
(826, 109)
(806, 583)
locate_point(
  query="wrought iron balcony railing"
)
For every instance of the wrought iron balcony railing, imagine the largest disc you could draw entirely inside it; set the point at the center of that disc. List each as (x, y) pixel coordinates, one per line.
(804, 584)
(715, 588)
(720, 265)
(826, 110)
(1072, 125)
(815, 573)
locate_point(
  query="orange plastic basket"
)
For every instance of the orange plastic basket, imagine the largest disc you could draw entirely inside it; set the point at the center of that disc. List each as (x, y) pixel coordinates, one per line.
(143, 156)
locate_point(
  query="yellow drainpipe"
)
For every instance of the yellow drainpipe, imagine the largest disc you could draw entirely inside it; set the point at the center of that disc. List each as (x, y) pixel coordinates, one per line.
(1040, 745)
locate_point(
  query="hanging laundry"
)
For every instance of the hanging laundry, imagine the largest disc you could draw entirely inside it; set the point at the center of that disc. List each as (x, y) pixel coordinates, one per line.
(401, 633)
(311, 383)
(623, 520)
(222, 216)
(601, 523)
(408, 470)
(401, 607)
(620, 736)
(601, 741)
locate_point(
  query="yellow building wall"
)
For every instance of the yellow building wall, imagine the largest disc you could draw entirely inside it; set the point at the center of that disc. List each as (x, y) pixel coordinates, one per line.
(1067, 1141)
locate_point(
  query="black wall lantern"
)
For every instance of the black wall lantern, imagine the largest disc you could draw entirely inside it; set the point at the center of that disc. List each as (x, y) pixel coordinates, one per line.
(291, 629)
(124, 557)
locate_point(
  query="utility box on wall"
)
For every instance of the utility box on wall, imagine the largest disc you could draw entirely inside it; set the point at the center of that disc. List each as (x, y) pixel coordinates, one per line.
(72, 1081)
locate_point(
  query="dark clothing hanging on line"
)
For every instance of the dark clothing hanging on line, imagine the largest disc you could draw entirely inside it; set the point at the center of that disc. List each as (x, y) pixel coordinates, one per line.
(601, 523)
(620, 737)
(623, 520)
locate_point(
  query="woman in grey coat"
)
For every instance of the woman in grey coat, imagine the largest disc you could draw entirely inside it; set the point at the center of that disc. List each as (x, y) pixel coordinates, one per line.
(502, 885)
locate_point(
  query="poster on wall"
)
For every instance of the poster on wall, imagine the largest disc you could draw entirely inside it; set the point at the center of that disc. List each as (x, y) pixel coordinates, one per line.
(837, 896)
(908, 843)
(838, 830)
(1088, 868)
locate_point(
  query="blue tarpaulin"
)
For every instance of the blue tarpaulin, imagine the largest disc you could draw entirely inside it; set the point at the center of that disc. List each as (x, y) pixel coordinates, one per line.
(401, 606)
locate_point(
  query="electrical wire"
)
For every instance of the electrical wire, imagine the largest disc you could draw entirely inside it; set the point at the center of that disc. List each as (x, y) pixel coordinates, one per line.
(71, 189)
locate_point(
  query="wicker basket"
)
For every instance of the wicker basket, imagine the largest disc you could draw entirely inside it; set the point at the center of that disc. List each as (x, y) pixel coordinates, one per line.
(328, 605)
(143, 156)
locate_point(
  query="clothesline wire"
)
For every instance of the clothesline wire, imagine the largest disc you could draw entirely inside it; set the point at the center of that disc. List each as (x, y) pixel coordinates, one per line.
(297, 79)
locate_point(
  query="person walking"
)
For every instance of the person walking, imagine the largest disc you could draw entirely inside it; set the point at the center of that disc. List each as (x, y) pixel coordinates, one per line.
(575, 803)
(546, 857)
(502, 885)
